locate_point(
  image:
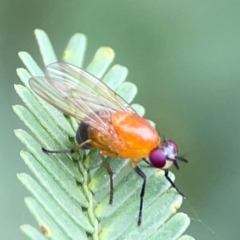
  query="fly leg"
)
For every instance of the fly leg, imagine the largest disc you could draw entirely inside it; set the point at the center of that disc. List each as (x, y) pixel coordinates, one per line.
(143, 176)
(110, 173)
(173, 184)
(146, 161)
(72, 150)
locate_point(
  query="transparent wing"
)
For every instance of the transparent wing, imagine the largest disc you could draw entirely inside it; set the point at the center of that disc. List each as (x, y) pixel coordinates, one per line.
(78, 93)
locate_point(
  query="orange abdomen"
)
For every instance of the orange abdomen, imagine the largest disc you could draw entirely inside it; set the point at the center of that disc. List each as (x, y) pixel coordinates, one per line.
(138, 137)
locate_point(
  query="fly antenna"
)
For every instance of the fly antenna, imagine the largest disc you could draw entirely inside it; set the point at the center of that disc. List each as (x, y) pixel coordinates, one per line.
(181, 159)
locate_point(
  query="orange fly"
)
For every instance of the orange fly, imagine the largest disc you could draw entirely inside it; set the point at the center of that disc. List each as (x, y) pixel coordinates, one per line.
(108, 123)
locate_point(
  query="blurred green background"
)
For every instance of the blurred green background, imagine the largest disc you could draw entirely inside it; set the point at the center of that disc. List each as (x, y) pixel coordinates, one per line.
(185, 58)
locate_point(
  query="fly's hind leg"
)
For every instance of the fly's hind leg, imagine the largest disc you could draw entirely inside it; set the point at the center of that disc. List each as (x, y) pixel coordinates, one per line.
(110, 173)
(72, 150)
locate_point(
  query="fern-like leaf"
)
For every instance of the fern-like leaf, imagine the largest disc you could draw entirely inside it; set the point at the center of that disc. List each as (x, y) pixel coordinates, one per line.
(65, 192)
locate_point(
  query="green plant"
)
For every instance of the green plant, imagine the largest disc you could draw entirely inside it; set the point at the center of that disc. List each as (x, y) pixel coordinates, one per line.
(65, 196)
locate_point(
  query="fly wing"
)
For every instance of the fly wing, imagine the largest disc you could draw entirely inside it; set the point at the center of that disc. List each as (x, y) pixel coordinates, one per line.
(78, 93)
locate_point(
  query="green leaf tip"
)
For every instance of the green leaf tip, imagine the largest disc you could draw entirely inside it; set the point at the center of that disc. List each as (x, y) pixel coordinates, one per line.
(45, 47)
(47, 226)
(31, 65)
(173, 228)
(115, 76)
(75, 50)
(125, 89)
(32, 233)
(101, 61)
(70, 193)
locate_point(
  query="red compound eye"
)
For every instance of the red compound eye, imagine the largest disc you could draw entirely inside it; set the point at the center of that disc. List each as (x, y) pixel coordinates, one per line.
(157, 158)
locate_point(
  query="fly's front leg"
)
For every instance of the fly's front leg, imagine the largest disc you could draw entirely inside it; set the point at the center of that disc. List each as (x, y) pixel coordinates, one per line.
(173, 184)
(143, 176)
